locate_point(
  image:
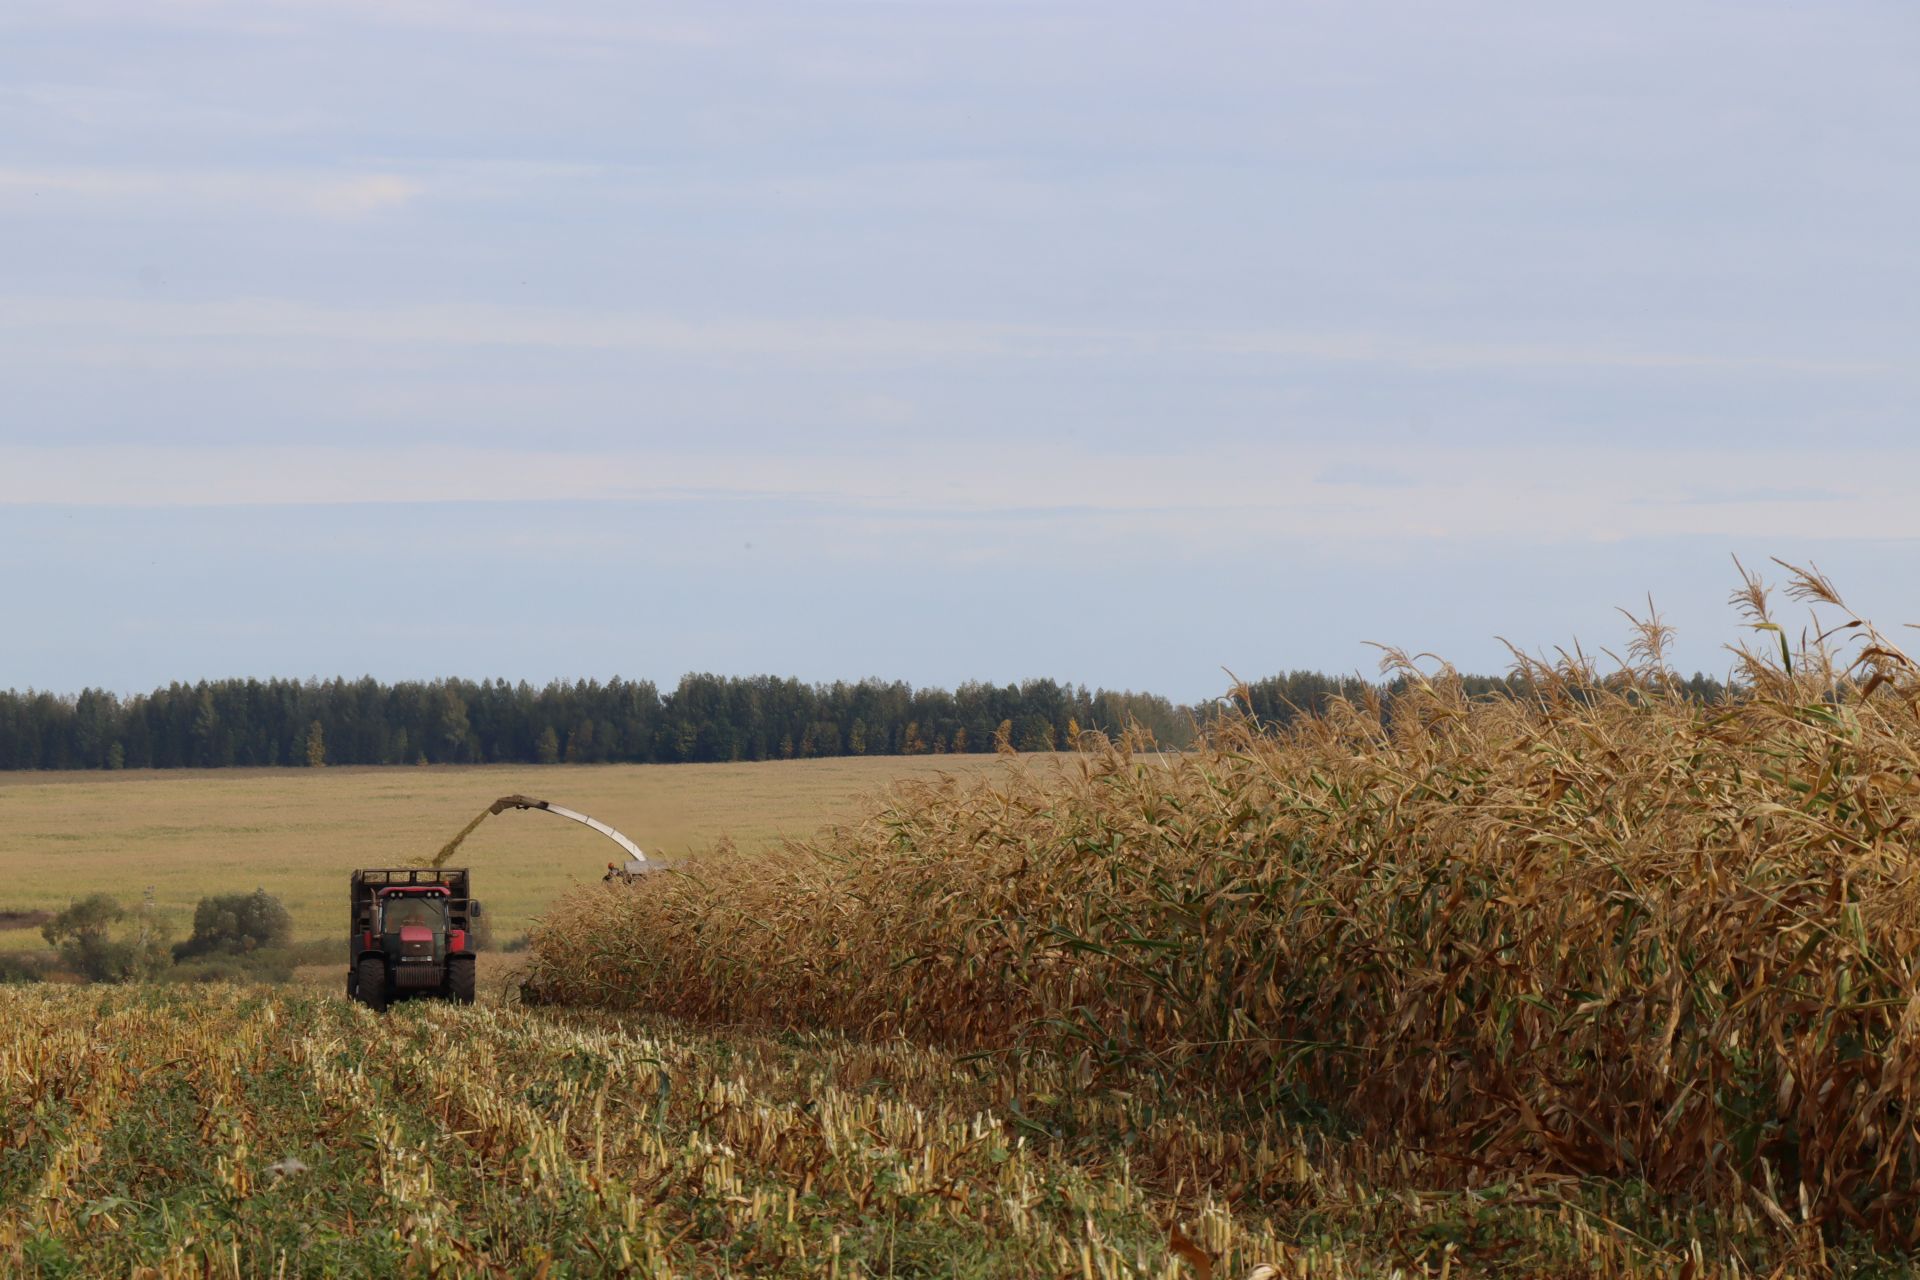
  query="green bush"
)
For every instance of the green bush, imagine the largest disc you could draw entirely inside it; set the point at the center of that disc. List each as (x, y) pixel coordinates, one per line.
(17, 968)
(236, 923)
(83, 934)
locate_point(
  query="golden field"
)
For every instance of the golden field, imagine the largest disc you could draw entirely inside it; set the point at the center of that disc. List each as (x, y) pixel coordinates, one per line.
(1588, 977)
(297, 832)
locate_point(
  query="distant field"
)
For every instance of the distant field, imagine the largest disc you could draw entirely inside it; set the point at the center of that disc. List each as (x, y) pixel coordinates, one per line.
(297, 832)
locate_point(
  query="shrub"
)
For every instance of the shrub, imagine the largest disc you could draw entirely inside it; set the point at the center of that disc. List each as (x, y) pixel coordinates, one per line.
(83, 935)
(235, 923)
(22, 968)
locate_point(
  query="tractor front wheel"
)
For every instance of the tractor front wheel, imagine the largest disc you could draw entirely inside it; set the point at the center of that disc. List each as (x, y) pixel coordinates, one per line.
(460, 979)
(371, 977)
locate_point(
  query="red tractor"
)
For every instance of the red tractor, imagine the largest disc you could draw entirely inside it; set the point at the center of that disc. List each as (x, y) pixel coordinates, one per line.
(412, 935)
(412, 931)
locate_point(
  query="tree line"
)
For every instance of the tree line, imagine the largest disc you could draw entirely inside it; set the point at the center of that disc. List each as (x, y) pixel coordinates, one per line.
(1277, 700)
(223, 723)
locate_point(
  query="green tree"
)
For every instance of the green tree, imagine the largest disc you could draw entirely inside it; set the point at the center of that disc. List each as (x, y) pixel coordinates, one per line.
(1035, 733)
(316, 746)
(547, 749)
(83, 934)
(206, 726)
(824, 735)
(452, 728)
(234, 923)
(87, 920)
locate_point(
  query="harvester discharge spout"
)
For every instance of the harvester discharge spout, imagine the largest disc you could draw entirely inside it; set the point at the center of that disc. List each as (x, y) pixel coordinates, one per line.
(528, 802)
(636, 863)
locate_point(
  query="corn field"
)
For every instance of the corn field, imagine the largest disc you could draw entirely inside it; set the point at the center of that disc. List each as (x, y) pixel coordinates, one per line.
(1596, 932)
(231, 1135)
(165, 1132)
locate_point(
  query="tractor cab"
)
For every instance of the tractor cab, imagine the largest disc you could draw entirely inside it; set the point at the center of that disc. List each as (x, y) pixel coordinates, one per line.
(411, 936)
(414, 933)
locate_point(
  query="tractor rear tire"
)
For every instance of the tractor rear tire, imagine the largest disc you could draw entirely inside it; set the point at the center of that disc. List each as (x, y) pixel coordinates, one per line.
(460, 979)
(372, 978)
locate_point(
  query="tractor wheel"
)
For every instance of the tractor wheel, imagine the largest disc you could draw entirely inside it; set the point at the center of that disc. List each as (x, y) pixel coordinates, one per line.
(353, 983)
(372, 980)
(460, 979)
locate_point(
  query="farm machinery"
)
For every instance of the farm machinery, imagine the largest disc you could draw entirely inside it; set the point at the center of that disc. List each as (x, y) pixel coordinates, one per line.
(412, 931)
(412, 935)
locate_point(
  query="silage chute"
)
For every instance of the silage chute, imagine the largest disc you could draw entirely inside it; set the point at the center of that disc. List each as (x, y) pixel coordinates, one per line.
(505, 803)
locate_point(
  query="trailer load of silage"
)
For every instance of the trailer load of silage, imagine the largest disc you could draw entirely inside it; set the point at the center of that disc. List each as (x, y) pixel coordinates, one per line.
(1594, 927)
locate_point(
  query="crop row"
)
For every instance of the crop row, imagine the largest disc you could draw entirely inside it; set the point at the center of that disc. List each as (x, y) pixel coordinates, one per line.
(177, 1134)
(216, 1132)
(1596, 929)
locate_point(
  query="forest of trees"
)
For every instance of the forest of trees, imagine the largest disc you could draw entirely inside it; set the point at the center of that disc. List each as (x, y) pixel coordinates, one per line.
(220, 723)
(1276, 700)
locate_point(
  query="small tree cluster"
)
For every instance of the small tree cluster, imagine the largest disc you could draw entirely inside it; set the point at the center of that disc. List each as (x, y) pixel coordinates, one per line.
(236, 923)
(85, 936)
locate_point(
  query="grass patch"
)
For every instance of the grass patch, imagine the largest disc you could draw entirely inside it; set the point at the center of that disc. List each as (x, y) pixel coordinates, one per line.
(72, 834)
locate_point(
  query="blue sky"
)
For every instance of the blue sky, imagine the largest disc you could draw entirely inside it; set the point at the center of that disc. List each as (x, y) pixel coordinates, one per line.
(1115, 342)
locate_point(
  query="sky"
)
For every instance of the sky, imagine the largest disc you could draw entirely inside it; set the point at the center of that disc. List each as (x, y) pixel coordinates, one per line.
(1127, 344)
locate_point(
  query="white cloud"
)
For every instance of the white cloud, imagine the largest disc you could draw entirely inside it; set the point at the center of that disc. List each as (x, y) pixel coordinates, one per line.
(486, 325)
(449, 16)
(316, 194)
(81, 329)
(1422, 353)
(121, 110)
(1195, 499)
